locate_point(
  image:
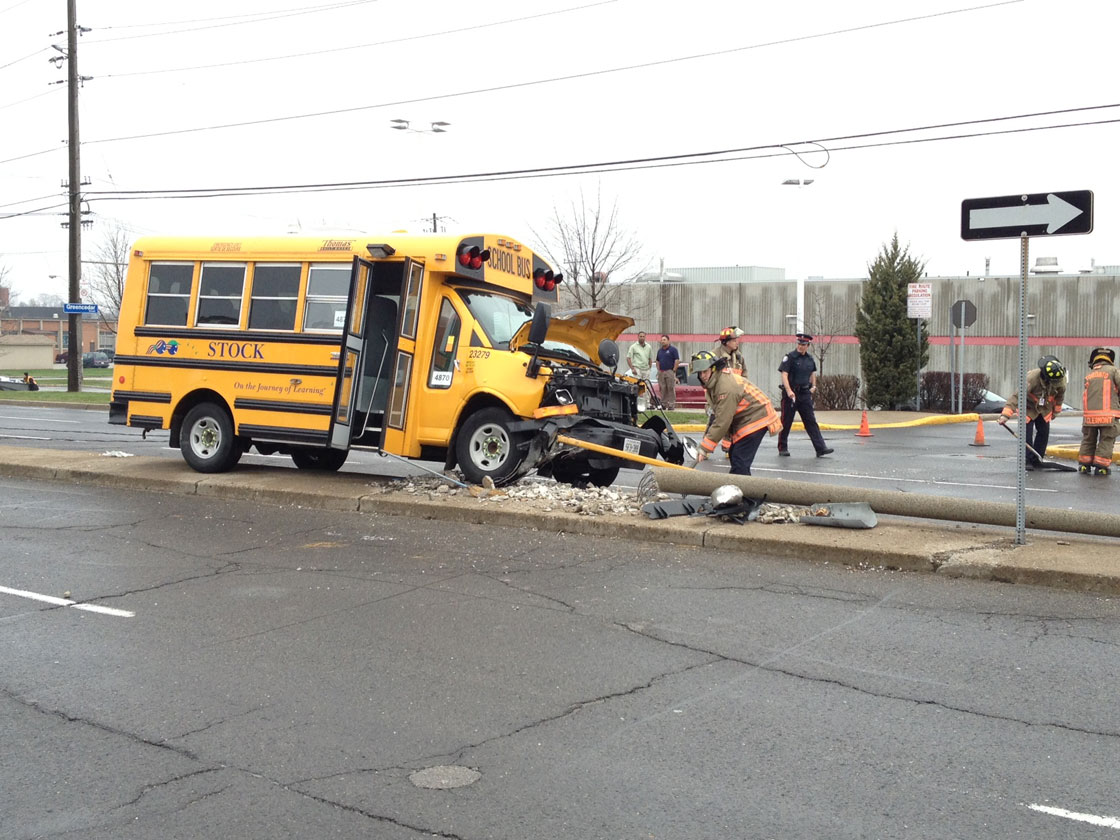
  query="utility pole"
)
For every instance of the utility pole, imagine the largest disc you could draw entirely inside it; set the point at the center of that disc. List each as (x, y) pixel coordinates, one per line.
(74, 354)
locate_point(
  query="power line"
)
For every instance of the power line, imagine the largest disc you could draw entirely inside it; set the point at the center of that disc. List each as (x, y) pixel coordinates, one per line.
(686, 159)
(401, 40)
(518, 85)
(552, 80)
(230, 20)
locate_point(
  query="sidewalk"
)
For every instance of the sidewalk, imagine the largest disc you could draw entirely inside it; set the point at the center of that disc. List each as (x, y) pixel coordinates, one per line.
(957, 551)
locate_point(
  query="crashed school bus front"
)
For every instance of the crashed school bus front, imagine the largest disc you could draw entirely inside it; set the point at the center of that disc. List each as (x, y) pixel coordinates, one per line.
(420, 346)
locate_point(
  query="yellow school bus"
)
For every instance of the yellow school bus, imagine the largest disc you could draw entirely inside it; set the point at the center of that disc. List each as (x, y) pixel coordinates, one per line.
(431, 346)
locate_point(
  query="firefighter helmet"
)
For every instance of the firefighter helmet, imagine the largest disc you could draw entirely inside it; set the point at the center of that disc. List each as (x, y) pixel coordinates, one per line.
(1102, 354)
(729, 332)
(704, 361)
(1051, 368)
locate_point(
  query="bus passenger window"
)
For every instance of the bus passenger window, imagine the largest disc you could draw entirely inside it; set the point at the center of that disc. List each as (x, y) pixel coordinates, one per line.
(446, 343)
(220, 289)
(328, 287)
(169, 293)
(273, 304)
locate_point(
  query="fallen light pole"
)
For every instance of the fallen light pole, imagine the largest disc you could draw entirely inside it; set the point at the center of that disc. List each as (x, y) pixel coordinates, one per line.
(976, 511)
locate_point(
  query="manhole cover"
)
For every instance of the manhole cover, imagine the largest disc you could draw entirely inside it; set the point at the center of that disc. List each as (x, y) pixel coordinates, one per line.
(444, 776)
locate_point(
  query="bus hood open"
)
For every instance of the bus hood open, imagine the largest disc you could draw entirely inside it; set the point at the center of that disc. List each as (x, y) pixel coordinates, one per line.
(582, 329)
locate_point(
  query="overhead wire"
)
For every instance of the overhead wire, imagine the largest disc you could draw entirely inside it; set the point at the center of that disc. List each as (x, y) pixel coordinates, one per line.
(655, 162)
(403, 39)
(224, 22)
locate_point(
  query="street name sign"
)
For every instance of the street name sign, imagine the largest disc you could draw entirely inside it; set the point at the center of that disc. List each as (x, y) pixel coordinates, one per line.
(79, 308)
(1037, 214)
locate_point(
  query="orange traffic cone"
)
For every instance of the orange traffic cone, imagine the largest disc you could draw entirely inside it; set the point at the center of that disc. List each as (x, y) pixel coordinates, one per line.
(979, 440)
(864, 429)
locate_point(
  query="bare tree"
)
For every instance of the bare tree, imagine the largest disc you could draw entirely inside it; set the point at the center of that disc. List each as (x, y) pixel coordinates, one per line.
(592, 249)
(7, 295)
(109, 266)
(824, 324)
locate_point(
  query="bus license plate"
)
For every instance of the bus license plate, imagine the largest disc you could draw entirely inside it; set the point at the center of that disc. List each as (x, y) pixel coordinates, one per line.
(631, 446)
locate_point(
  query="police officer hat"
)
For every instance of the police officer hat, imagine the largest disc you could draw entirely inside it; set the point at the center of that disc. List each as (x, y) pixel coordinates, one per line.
(804, 337)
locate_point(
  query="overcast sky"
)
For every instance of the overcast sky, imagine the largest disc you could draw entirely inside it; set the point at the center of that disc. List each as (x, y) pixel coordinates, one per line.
(532, 86)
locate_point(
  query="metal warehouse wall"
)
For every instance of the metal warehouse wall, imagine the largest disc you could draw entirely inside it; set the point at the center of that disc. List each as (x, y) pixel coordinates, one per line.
(1071, 314)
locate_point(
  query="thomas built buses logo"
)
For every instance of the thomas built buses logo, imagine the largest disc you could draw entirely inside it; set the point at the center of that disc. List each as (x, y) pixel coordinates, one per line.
(161, 347)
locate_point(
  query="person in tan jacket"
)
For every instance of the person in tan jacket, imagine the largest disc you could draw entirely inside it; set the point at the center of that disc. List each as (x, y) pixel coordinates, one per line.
(1046, 391)
(1101, 408)
(742, 413)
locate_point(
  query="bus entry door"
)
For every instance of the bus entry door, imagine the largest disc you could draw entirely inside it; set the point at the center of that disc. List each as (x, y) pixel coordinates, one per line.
(350, 359)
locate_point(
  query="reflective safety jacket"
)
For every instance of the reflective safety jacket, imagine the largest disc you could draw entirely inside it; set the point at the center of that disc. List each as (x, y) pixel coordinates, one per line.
(1044, 397)
(1101, 402)
(740, 409)
(735, 362)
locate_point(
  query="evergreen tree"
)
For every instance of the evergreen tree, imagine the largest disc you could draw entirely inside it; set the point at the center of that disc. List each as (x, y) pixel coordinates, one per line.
(888, 343)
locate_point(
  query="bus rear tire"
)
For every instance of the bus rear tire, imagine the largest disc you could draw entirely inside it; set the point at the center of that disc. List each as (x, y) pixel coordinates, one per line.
(485, 447)
(207, 440)
(325, 460)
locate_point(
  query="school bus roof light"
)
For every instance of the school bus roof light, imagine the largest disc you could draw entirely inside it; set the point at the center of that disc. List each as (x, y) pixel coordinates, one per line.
(380, 250)
(473, 257)
(546, 280)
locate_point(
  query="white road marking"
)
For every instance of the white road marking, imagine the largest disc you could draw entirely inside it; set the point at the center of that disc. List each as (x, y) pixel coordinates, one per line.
(1092, 819)
(65, 602)
(24, 437)
(39, 419)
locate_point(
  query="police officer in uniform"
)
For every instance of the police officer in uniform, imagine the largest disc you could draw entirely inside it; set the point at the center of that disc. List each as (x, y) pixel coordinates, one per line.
(799, 383)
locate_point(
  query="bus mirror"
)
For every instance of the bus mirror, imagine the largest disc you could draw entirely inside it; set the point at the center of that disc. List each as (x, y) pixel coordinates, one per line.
(539, 329)
(608, 353)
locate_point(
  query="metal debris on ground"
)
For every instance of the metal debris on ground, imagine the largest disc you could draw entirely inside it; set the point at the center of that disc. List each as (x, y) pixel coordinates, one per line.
(772, 513)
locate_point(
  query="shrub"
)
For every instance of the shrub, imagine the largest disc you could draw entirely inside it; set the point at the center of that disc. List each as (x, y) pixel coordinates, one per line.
(837, 393)
(938, 389)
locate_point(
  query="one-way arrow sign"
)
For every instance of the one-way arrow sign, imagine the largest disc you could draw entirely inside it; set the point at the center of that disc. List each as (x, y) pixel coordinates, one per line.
(1040, 214)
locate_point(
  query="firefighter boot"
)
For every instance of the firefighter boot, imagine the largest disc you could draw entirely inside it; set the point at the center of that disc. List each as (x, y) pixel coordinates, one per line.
(1103, 471)
(1085, 469)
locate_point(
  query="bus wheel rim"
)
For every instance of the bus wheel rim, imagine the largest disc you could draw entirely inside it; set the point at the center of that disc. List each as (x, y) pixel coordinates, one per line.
(489, 447)
(206, 437)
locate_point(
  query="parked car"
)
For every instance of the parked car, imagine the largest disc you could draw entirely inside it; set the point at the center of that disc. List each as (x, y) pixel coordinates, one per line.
(62, 358)
(95, 359)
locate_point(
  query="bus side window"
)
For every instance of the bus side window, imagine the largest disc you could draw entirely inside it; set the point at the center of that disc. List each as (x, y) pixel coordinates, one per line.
(169, 293)
(220, 291)
(275, 290)
(328, 287)
(446, 343)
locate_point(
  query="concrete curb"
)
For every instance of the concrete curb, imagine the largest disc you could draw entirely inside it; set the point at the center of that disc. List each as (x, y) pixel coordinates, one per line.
(954, 551)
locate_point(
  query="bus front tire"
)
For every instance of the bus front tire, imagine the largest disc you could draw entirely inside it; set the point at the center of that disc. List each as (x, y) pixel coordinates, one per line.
(485, 447)
(325, 460)
(207, 440)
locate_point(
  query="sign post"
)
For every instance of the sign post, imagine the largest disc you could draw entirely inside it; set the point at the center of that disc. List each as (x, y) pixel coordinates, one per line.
(919, 305)
(1021, 217)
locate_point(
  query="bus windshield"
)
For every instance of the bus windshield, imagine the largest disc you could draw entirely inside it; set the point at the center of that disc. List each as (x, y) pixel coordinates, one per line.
(500, 316)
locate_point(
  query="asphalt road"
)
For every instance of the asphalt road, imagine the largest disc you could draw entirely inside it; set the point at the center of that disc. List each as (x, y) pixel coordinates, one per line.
(934, 459)
(268, 672)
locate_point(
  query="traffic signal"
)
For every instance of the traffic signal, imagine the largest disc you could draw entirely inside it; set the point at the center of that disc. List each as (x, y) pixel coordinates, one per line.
(544, 279)
(472, 257)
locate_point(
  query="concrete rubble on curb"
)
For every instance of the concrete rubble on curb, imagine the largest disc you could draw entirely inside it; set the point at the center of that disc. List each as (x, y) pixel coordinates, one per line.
(953, 550)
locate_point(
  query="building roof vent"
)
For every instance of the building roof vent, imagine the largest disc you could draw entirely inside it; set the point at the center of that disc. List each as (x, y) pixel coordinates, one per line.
(1046, 265)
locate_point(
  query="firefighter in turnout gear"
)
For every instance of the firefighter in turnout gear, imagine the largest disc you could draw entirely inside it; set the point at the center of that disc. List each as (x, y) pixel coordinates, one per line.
(1046, 391)
(742, 412)
(1101, 405)
(728, 348)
